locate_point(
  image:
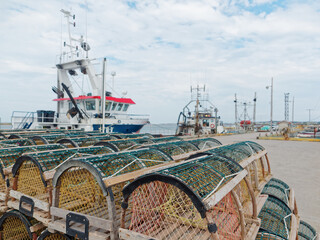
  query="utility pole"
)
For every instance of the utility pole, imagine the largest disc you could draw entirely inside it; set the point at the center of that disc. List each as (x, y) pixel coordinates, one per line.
(286, 107)
(254, 109)
(309, 114)
(235, 112)
(271, 88)
(292, 110)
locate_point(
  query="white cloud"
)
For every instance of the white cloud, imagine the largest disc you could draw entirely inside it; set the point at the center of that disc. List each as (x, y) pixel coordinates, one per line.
(159, 47)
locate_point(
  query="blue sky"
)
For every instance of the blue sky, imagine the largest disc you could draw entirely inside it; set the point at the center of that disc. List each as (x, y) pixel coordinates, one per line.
(160, 48)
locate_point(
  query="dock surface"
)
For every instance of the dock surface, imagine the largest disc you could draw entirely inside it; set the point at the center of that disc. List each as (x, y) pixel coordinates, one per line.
(298, 164)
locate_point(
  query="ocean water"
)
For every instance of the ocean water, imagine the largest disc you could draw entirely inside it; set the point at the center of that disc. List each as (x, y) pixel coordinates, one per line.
(161, 128)
(5, 127)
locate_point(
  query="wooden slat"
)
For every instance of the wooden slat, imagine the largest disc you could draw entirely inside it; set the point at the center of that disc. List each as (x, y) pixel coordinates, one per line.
(213, 199)
(126, 234)
(37, 203)
(60, 225)
(37, 214)
(93, 221)
(254, 157)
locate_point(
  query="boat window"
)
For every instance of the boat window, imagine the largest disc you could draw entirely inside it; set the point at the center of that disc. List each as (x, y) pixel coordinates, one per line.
(125, 108)
(114, 106)
(90, 105)
(108, 106)
(70, 105)
(119, 106)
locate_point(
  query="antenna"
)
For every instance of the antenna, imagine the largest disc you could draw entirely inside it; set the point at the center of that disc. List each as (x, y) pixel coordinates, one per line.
(236, 111)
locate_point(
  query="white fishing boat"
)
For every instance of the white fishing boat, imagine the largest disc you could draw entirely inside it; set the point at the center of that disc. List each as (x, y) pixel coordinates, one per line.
(203, 119)
(87, 110)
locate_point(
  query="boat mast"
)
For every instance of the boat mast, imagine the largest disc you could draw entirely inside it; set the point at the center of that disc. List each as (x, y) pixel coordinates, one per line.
(103, 97)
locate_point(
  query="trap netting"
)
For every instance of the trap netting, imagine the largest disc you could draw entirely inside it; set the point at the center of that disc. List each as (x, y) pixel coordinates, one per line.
(166, 139)
(306, 231)
(8, 156)
(268, 236)
(14, 225)
(205, 175)
(78, 141)
(132, 135)
(119, 163)
(45, 138)
(170, 203)
(277, 188)
(2, 136)
(29, 170)
(46, 235)
(205, 143)
(123, 144)
(15, 142)
(275, 218)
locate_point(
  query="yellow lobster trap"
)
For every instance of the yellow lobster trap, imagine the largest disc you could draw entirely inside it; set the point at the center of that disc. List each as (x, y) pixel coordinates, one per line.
(8, 157)
(197, 199)
(46, 235)
(31, 190)
(15, 226)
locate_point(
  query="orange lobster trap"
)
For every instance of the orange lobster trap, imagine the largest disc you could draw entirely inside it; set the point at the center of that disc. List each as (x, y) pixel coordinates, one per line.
(198, 199)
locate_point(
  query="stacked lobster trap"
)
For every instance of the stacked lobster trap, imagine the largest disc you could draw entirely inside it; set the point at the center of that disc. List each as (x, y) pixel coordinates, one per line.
(140, 187)
(78, 182)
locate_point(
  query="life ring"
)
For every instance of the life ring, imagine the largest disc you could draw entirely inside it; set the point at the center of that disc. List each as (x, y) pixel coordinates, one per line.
(212, 125)
(119, 121)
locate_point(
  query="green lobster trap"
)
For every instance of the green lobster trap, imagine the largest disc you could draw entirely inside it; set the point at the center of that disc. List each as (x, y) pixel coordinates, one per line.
(82, 141)
(197, 199)
(32, 178)
(205, 143)
(252, 156)
(306, 231)
(279, 189)
(277, 219)
(14, 226)
(15, 143)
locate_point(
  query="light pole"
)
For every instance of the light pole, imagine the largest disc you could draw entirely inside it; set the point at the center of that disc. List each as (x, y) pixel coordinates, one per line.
(271, 87)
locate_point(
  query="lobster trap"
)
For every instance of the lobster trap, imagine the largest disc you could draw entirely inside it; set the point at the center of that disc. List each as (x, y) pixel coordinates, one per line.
(279, 189)
(81, 191)
(46, 235)
(15, 142)
(14, 225)
(277, 219)
(251, 156)
(32, 179)
(205, 143)
(198, 199)
(306, 231)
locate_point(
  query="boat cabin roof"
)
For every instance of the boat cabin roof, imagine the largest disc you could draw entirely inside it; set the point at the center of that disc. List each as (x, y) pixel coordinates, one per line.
(108, 98)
